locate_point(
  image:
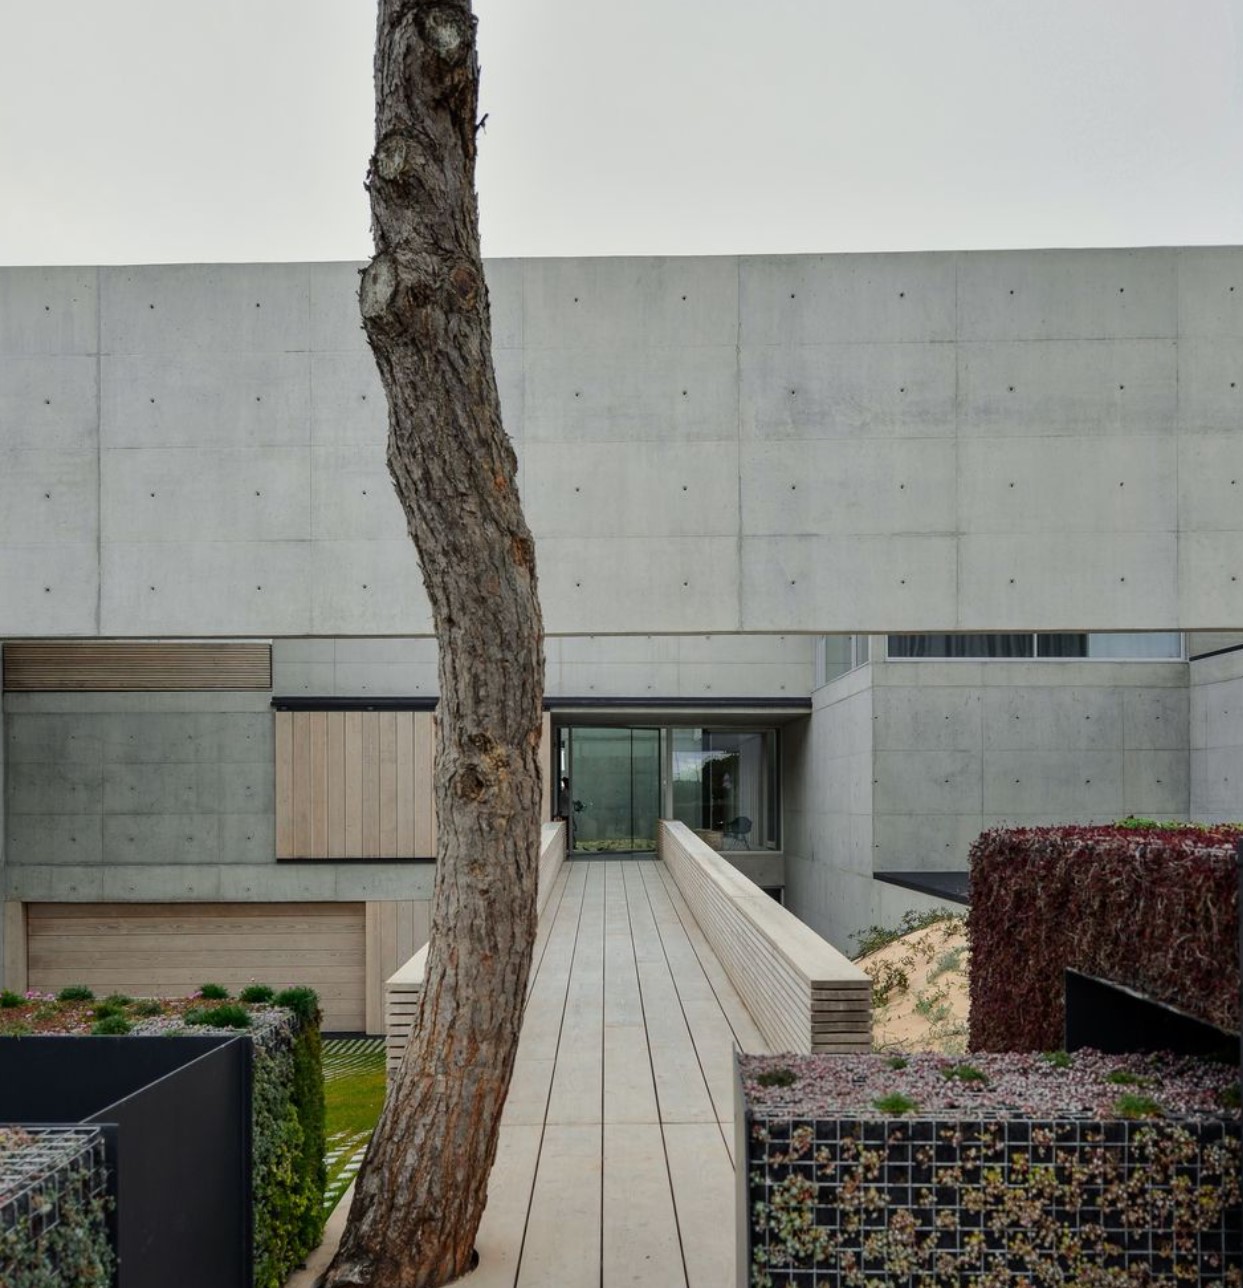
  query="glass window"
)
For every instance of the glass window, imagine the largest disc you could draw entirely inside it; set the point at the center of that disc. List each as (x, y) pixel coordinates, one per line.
(724, 785)
(1153, 645)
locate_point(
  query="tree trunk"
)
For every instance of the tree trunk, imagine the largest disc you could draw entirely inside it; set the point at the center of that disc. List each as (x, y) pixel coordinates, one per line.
(421, 1191)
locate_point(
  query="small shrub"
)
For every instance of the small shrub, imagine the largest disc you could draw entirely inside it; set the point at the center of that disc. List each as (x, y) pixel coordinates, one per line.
(231, 1016)
(114, 1024)
(302, 1001)
(256, 993)
(1058, 1059)
(46, 1011)
(874, 937)
(897, 1062)
(75, 993)
(949, 960)
(147, 1007)
(213, 992)
(1135, 1106)
(1231, 1097)
(10, 999)
(777, 1078)
(105, 1010)
(964, 1073)
(1125, 1078)
(119, 1000)
(887, 978)
(895, 1103)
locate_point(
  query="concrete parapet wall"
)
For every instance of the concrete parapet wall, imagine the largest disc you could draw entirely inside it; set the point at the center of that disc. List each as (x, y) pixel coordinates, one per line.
(803, 995)
(957, 441)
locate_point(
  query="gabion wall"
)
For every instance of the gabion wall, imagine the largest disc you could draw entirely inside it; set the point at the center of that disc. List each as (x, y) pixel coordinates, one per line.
(54, 1208)
(934, 1201)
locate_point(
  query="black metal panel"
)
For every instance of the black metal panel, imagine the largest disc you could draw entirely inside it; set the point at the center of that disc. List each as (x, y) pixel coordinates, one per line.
(68, 1079)
(177, 1114)
(1112, 1018)
(941, 884)
(591, 702)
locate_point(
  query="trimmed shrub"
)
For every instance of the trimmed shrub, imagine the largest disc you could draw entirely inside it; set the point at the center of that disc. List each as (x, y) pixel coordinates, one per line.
(1154, 909)
(213, 992)
(9, 999)
(112, 1025)
(289, 1168)
(220, 1017)
(75, 993)
(256, 994)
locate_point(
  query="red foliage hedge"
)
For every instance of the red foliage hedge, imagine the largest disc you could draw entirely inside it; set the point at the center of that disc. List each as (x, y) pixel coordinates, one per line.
(1156, 910)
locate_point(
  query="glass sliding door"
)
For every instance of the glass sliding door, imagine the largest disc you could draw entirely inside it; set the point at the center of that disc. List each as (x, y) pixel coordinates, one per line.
(614, 789)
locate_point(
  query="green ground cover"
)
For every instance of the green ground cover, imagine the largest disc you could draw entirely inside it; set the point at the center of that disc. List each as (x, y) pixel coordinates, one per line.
(353, 1097)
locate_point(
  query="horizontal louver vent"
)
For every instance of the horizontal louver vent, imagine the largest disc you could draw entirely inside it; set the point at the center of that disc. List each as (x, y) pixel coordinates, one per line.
(112, 666)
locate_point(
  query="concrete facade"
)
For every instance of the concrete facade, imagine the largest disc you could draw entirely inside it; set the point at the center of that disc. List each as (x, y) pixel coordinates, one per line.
(641, 666)
(721, 458)
(1217, 737)
(906, 762)
(962, 441)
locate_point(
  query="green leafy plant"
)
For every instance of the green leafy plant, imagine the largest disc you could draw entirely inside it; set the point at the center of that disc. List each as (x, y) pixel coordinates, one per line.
(10, 999)
(114, 1024)
(148, 1006)
(230, 1016)
(256, 993)
(213, 992)
(1132, 1105)
(777, 1078)
(964, 1073)
(895, 1103)
(888, 978)
(302, 1001)
(75, 993)
(121, 1000)
(104, 1010)
(897, 1062)
(15, 1028)
(1058, 1059)
(1231, 1097)
(874, 937)
(1125, 1078)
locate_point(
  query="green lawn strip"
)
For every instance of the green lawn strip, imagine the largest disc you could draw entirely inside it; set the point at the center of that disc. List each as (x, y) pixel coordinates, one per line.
(353, 1097)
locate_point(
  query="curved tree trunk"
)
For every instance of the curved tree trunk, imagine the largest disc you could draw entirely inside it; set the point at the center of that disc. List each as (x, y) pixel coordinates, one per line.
(421, 1191)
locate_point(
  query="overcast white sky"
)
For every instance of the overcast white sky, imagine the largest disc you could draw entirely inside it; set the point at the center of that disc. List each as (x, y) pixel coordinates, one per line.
(135, 131)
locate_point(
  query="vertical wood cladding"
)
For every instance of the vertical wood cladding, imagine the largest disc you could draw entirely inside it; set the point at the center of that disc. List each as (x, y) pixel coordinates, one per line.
(119, 666)
(354, 785)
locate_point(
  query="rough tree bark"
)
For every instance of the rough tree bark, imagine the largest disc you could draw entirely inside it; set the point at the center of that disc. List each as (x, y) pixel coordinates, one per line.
(421, 1191)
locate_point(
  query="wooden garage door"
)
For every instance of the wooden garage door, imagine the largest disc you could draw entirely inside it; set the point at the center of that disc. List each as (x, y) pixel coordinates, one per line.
(169, 949)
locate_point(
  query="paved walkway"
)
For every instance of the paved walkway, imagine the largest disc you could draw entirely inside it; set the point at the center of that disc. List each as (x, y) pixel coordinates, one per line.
(615, 1157)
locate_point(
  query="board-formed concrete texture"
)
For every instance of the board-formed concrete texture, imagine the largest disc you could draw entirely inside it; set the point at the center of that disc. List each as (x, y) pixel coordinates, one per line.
(956, 441)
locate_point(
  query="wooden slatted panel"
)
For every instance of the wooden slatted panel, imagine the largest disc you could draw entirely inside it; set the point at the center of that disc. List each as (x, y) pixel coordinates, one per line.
(109, 666)
(171, 949)
(801, 992)
(354, 785)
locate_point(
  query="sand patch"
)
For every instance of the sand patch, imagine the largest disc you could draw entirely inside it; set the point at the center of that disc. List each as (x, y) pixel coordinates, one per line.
(919, 990)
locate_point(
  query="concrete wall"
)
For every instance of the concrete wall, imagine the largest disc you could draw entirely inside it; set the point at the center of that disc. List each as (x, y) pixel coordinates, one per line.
(989, 440)
(963, 746)
(828, 796)
(907, 762)
(1217, 738)
(637, 666)
(159, 796)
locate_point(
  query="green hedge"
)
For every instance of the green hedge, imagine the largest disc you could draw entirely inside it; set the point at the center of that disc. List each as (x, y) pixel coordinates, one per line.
(1154, 909)
(54, 1209)
(289, 1172)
